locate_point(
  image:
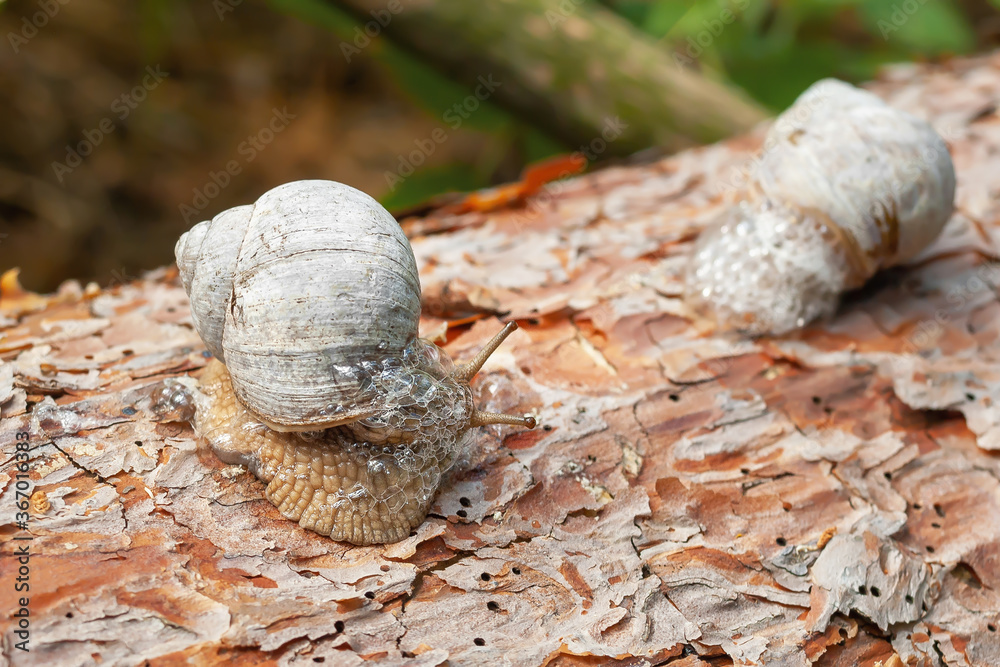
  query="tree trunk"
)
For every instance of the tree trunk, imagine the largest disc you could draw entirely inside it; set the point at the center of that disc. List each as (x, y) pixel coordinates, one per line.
(828, 497)
(578, 71)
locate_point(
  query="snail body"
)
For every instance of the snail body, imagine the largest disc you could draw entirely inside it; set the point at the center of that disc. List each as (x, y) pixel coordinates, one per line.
(310, 302)
(846, 185)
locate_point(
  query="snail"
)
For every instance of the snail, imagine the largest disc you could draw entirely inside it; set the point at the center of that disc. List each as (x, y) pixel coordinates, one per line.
(846, 185)
(309, 301)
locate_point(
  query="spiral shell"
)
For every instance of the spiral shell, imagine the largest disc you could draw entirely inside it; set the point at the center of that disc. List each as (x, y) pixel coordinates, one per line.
(845, 186)
(303, 296)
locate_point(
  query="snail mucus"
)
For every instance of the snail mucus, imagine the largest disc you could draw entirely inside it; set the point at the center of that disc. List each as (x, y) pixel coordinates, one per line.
(309, 301)
(845, 185)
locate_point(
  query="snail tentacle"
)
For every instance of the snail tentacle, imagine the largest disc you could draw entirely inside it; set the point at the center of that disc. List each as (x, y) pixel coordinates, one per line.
(310, 302)
(468, 370)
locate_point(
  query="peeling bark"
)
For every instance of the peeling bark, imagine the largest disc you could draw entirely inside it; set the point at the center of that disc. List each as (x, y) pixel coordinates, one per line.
(827, 497)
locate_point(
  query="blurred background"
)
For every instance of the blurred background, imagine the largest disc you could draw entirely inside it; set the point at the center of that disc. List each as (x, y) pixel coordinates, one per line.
(124, 123)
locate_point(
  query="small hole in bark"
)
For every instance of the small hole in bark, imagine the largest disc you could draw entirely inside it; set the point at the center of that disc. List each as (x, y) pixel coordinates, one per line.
(339, 626)
(828, 410)
(492, 606)
(319, 659)
(817, 400)
(935, 525)
(413, 533)
(991, 627)
(516, 570)
(484, 576)
(862, 589)
(745, 471)
(917, 506)
(888, 475)
(462, 513)
(930, 549)
(534, 321)
(479, 641)
(465, 502)
(370, 595)
(88, 357)
(875, 591)
(781, 541)
(126, 353)
(69, 614)
(674, 397)
(909, 599)
(970, 397)
(939, 510)
(138, 443)
(547, 427)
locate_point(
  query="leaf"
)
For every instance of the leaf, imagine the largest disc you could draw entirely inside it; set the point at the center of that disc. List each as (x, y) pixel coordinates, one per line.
(425, 183)
(319, 13)
(664, 16)
(537, 145)
(930, 27)
(455, 104)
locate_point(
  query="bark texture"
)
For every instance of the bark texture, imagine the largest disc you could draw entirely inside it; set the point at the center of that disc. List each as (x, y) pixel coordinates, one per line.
(828, 497)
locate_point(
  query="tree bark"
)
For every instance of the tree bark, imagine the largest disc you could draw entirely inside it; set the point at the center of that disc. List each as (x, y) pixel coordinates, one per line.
(577, 71)
(829, 497)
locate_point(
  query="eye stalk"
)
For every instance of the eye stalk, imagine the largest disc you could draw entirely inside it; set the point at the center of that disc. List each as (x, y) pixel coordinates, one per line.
(467, 371)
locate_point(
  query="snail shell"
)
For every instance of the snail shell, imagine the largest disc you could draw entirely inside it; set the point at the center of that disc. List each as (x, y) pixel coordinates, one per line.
(310, 301)
(845, 186)
(300, 296)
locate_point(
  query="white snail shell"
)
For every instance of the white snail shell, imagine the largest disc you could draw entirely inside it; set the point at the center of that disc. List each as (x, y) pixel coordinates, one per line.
(298, 295)
(845, 186)
(310, 298)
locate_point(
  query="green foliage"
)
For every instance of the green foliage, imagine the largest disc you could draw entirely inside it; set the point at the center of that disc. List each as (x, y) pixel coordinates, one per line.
(774, 50)
(430, 181)
(318, 12)
(935, 27)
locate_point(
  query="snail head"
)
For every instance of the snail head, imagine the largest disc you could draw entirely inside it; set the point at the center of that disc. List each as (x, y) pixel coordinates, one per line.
(426, 397)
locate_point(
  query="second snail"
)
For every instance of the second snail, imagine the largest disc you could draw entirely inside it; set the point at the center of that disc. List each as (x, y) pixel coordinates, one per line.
(845, 185)
(309, 300)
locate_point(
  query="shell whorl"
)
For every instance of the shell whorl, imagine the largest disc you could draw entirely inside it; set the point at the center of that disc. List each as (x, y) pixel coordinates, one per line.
(303, 296)
(844, 186)
(207, 271)
(883, 176)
